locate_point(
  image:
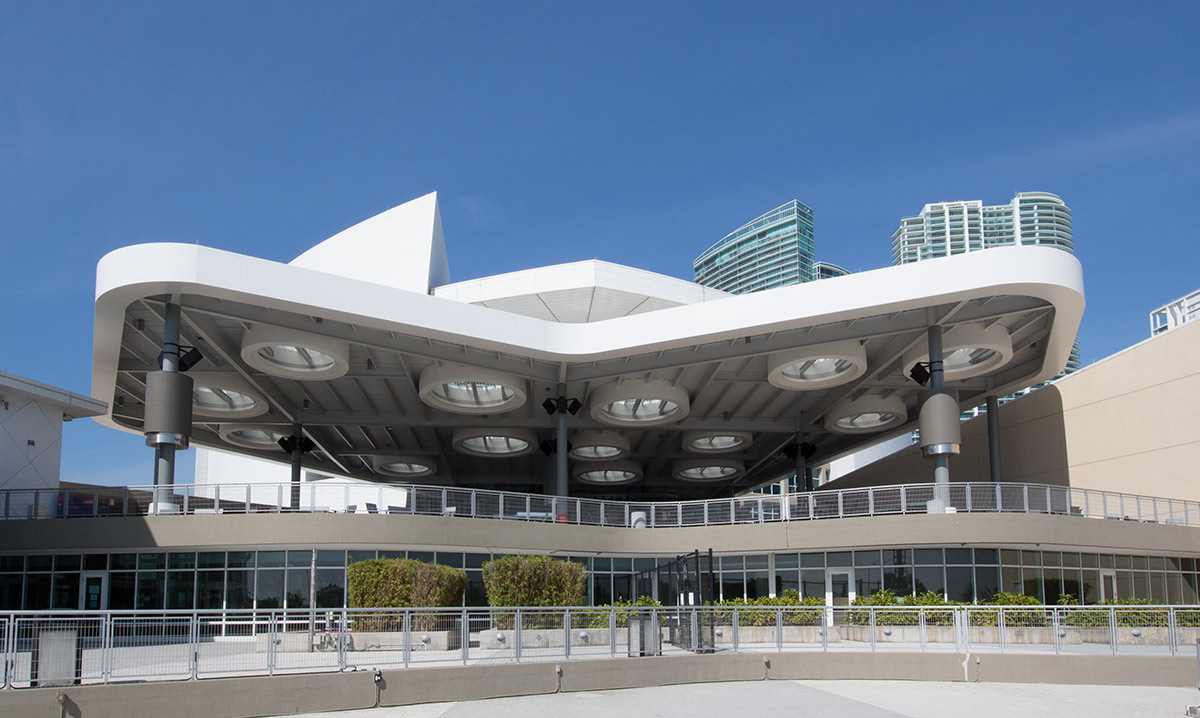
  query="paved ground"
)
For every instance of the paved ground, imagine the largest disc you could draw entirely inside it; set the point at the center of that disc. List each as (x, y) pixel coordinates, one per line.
(860, 699)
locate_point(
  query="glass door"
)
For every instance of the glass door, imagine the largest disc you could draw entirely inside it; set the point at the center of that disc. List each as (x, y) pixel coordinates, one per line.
(92, 593)
(1108, 585)
(839, 591)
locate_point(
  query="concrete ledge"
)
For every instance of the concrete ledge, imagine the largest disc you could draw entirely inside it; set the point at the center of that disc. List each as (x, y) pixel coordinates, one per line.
(661, 671)
(286, 695)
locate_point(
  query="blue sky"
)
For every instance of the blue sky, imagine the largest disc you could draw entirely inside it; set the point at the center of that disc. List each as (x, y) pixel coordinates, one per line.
(638, 133)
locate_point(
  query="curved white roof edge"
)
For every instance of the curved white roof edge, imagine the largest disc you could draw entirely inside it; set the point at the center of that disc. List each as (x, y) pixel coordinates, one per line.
(131, 273)
(586, 274)
(402, 248)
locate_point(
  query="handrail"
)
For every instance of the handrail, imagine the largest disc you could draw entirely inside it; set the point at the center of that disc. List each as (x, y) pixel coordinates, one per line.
(188, 645)
(900, 499)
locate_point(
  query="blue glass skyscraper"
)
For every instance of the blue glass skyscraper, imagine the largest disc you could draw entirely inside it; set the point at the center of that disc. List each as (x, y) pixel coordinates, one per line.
(770, 251)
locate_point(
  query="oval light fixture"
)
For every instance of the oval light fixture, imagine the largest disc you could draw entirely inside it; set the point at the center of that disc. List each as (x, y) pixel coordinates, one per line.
(225, 396)
(609, 473)
(967, 350)
(716, 442)
(713, 468)
(404, 467)
(817, 367)
(867, 414)
(639, 403)
(291, 354)
(471, 390)
(495, 442)
(249, 436)
(599, 445)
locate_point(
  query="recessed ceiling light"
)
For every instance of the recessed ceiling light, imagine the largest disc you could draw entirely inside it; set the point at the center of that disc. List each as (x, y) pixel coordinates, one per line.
(495, 442)
(295, 355)
(405, 467)
(249, 436)
(705, 469)
(598, 445)
(225, 396)
(716, 442)
(817, 367)
(968, 350)
(639, 403)
(471, 390)
(609, 473)
(865, 415)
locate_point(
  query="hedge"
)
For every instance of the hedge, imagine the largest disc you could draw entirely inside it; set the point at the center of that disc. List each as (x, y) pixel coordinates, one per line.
(517, 581)
(402, 583)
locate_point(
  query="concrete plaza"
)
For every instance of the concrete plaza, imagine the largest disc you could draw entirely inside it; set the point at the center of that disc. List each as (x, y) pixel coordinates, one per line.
(863, 699)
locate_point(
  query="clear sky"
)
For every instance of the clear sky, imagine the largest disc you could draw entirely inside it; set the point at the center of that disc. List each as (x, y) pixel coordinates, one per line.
(634, 132)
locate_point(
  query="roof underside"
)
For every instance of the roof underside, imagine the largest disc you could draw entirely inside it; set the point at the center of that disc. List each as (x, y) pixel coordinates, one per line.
(375, 409)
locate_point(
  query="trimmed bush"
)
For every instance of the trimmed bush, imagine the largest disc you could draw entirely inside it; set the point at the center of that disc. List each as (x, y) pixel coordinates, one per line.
(533, 581)
(402, 583)
(766, 614)
(599, 619)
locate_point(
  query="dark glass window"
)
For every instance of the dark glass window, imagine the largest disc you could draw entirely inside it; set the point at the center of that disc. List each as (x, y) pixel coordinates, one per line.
(898, 580)
(732, 585)
(640, 564)
(67, 562)
(786, 560)
(1070, 560)
(786, 580)
(1089, 560)
(477, 592)
(1051, 558)
(10, 592)
(1140, 563)
(331, 559)
(1156, 563)
(331, 588)
(897, 557)
(813, 560)
(272, 559)
(867, 581)
(839, 558)
(297, 588)
(1031, 580)
(987, 556)
(987, 582)
(181, 560)
(66, 590)
(756, 562)
(269, 590)
(1124, 562)
(239, 589)
(151, 561)
(732, 563)
(425, 556)
(813, 583)
(1010, 557)
(1072, 583)
(958, 555)
(181, 589)
(210, 588)
(357, 556)
(39, 563)
(1090, 590)
(621, 588)
(928, 557)
(240, 559)
(475, 560)
(601, 589)
(929, 578)
(866, 558)
(122, 587)
(150, 586)
(12, 563)
(211, 559)
(1052, 584)
(1107, 561)
(1031, 558)
(960, 584)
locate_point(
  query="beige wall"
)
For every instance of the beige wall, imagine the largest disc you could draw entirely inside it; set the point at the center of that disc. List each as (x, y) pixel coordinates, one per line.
(231, 531)
(1126, 423)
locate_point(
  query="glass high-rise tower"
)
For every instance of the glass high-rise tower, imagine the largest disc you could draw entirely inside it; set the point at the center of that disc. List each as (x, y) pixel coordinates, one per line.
(946, 228)
(770, 251)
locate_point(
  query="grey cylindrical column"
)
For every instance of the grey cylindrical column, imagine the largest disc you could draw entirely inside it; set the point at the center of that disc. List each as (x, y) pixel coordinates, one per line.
(941, 461)
(168, 416)
(993, 426)
(297, 454)
(560, 440)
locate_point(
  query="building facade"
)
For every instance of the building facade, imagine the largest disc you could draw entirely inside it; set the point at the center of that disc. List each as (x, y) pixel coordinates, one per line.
(1175, 314)
(774, 250)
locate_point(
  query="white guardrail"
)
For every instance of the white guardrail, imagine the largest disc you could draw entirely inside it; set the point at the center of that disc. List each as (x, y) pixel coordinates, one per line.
(478, 503)
(86, 647)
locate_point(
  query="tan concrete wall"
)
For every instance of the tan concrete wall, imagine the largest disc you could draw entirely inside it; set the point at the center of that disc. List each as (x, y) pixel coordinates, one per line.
(286, 695)
(1126, 423)
(485, 535)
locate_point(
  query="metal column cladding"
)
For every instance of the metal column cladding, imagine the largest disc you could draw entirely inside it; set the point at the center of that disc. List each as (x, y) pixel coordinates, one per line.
(941, 430)
(168, 409)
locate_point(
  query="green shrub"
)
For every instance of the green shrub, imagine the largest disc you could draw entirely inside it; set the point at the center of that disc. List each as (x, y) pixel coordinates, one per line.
(599, 618)
(767, 613)
(531, 581)
(401, 583)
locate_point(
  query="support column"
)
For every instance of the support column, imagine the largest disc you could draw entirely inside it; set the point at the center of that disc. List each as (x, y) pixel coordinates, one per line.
(168, 413)
(560, 436)
(993, 427)
(941, 434)
(297, 455)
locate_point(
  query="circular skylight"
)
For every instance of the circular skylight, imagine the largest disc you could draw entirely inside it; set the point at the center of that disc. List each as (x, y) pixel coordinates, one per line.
(867, 414)
(715, 442)
(295, 355)
(598, 445)
(968, 350)
(405, 467)
(707, 469)
(817, 367)
(470, 390)
(225, 396)
(497, 442)
(250, 437)
(610, 473)
(639, 403)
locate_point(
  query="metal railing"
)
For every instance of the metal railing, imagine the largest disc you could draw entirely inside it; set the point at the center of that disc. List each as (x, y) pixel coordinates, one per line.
(86, 647)
(479, 503)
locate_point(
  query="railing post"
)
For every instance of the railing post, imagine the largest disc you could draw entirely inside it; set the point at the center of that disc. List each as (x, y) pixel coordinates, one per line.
(1025, 496)
(705, 504)
(999, 499)
(679, 514)
(96, 503)
(969, 506)
(194, 647)
(1055, 622)
(653, 515)
(903, 500)
(872, 624)
(343, 633)
(841, 515)
(1001, 627)
(736, 637)
(272, 636)
(517, 635)
(612, 632)
(465, 628)
(407, 623)
(247, 498)
(921, 628)
(566, 633)
(1112, 629)
(1172, 638)
(778, 630)
(826, 624)
(626, 513)
(870, 502)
